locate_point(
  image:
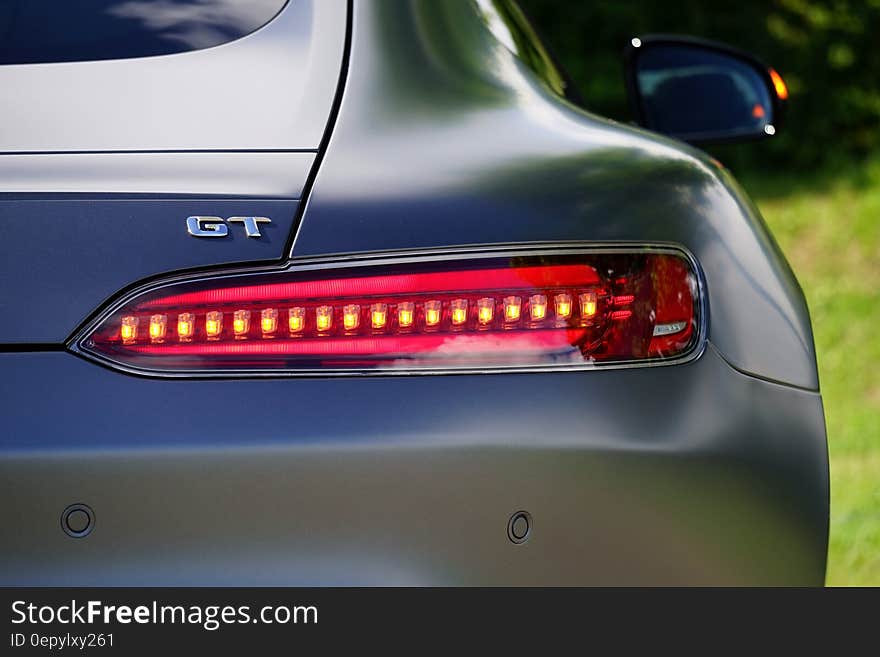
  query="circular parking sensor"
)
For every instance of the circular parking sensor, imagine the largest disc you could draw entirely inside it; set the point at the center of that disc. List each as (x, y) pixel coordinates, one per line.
(519, 527)
(78, 520)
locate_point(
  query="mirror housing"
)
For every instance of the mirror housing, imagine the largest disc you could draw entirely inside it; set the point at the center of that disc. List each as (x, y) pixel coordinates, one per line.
(700, 91)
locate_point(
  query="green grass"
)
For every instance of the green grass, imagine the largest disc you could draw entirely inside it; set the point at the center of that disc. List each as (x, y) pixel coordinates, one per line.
(828, 225)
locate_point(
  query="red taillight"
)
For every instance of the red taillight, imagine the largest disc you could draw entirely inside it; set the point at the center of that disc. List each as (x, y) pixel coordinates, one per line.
(497, 312)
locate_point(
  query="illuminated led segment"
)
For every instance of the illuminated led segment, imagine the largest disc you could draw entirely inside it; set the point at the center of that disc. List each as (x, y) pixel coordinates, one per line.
(485, 310)
(157, 327)
(241, 323)
(537, 307)
(588, 303)
(405, 314)
(296, 319)
(128, 331)
(512, 309)
(433, 312)
(269, 322)
(458, 311)
(214, 324)
(186, 326)
(378, 315)
(563, 306)
(351, 316)
(324, 318)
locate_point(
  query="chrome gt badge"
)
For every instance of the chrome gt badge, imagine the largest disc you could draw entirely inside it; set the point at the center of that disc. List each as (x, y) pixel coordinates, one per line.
(216, 227)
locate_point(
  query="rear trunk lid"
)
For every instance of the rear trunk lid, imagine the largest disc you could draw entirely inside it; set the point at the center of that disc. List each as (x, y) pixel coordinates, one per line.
(102, 160)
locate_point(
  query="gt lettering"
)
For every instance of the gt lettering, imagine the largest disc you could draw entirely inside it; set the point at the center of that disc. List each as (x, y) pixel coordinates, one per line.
(198, 226)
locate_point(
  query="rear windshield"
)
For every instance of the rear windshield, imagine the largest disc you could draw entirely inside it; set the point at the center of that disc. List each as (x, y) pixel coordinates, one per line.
(43, 31)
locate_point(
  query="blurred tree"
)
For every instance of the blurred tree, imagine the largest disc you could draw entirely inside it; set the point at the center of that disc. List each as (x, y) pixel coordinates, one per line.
(823, 48)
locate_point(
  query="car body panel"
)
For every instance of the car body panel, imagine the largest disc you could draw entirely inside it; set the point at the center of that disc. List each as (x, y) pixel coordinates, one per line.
(269, 90)
(251, 174)
(81, 252)
(432, 149)
(99, 193)
(719, 478)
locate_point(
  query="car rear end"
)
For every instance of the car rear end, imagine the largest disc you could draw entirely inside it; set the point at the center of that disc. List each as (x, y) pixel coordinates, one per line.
(221, 359)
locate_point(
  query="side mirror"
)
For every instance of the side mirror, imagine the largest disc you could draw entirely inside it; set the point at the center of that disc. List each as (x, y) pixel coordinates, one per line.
(700, 91)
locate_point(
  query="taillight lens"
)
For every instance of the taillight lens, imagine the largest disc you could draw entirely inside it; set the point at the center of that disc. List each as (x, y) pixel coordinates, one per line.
(520, 311)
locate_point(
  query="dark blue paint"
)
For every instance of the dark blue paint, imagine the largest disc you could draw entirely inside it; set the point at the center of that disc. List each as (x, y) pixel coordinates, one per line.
(84, 251)
(446, 138)
(692, 474)
(685, 474)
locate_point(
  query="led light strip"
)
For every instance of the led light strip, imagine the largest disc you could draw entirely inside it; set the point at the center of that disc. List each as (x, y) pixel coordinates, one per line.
(510, 311)
(323, 320)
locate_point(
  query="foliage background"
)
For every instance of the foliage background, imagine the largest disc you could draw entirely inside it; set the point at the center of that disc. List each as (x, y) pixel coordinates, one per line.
(825, 50)
(817, 184)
